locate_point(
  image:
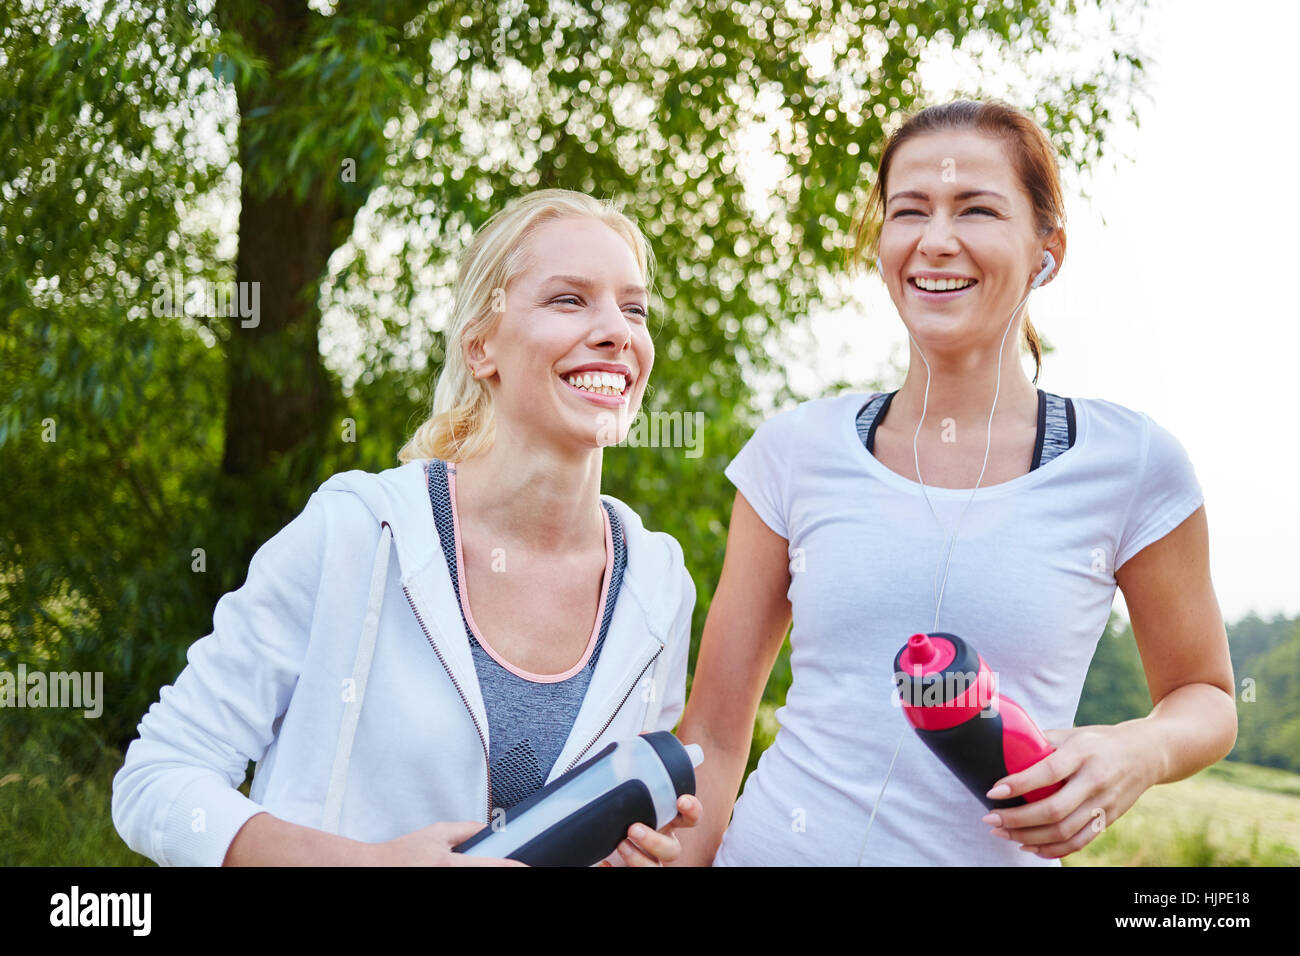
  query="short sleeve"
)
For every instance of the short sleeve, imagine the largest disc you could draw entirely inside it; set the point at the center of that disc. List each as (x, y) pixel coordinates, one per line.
(1167, 493)
(761, 470)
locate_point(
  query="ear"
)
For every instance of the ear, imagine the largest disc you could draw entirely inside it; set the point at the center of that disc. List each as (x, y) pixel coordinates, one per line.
(1056, 246)
(480, 363)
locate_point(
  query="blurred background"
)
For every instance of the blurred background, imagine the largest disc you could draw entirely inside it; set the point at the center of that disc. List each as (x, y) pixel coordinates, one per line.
(156, 428)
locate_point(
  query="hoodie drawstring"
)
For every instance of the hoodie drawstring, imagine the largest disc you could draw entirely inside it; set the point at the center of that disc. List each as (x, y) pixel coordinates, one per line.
(360, 673)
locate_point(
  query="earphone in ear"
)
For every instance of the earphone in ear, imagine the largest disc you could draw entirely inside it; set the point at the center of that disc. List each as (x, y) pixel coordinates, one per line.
(1049, 263)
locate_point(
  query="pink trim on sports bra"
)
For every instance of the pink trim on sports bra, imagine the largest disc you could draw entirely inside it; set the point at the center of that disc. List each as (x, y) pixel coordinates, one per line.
(469, 615)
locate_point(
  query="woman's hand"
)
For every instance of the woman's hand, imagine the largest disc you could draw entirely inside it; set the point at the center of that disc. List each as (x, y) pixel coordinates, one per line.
(646, 847)
(431, 846)
(1105, 769)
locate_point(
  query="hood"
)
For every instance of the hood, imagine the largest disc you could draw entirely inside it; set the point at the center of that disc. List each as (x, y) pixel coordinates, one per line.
(398, 497)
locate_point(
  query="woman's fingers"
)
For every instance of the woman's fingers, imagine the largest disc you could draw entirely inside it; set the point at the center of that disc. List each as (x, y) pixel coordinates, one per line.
(646, 847)
(655, 850)
(662, 847)
(689, 811)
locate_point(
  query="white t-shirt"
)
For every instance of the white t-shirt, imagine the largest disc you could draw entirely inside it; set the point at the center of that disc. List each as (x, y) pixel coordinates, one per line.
(1031, 584)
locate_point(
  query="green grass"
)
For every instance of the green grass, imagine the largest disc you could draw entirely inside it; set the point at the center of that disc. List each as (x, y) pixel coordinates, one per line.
(56, 783)
(1229, 814)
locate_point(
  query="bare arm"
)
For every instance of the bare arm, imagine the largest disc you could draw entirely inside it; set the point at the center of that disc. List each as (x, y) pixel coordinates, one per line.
(1180, 635)
(266, 840)
(747, 622)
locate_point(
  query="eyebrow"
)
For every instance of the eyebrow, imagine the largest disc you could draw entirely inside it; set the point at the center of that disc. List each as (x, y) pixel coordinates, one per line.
(966, 194)
(587, 283)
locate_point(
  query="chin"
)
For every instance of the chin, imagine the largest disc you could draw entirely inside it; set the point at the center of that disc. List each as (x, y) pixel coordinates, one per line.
(600, 428)
(941, 331)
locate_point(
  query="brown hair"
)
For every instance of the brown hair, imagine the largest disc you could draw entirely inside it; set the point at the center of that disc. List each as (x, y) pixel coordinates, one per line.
(1032, 154)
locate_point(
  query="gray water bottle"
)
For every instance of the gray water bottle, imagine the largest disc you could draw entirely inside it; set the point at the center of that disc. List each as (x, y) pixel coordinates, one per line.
(580, 817)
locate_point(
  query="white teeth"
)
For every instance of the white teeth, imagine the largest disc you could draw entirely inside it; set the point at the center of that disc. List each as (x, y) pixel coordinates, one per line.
(602, 383)
(942, 285)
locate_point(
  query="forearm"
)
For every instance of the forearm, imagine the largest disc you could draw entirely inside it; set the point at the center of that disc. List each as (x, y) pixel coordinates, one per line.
(266, 840)
(1192, 727)
(717, 781)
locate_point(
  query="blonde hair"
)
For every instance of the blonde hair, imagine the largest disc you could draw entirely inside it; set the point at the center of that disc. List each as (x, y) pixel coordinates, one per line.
(461, 423)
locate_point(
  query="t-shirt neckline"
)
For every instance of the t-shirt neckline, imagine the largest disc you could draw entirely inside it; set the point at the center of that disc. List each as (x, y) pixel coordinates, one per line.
(984, 492)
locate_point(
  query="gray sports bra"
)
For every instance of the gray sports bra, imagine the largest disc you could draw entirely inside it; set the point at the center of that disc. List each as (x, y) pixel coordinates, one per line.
(1055, 424)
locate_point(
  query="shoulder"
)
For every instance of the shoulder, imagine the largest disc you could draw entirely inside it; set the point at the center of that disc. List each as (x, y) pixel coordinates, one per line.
(1130, 427)
(814, 416)
(656, 564)
(660, 545)
(1111, 416)
(357, 504)
(381, 494)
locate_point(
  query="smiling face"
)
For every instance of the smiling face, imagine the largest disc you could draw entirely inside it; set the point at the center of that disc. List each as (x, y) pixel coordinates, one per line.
(569, 360)
(959, 244)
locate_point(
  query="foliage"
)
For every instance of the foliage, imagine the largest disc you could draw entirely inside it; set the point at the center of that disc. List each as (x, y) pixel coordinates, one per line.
(1266, 665)
(360, 147)
(1116, 687)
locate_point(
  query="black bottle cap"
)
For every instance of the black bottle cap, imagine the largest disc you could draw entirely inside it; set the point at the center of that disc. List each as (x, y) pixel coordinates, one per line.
(675, 760)
(958, 674)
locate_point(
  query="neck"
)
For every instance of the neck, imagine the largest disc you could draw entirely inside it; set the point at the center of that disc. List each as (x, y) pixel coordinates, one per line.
(530, 496)
(962, 386)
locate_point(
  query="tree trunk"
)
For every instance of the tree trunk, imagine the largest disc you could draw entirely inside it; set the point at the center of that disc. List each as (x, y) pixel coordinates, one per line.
(281, 398)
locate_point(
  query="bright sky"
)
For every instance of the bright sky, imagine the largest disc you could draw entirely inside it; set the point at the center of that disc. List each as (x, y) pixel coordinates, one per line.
(1178, 304)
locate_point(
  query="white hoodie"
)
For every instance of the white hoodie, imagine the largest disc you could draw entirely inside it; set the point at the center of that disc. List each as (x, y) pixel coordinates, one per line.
(294, 654)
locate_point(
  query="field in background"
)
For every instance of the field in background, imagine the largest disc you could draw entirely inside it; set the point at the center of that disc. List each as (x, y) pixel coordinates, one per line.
(1229, 814)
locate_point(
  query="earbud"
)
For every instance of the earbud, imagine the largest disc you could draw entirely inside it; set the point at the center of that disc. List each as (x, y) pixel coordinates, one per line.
(1049, 263)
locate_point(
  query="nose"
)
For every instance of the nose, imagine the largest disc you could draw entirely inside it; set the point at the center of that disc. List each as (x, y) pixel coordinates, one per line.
(611, 330)
(938, 238)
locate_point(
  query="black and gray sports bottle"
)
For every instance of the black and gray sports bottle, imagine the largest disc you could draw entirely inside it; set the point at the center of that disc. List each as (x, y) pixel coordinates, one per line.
(579, 818)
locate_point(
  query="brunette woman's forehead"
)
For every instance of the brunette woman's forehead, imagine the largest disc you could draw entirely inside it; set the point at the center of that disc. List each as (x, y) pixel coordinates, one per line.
(960, 164)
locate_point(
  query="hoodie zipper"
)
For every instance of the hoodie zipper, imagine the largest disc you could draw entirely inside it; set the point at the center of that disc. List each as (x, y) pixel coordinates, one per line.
(455, 683)
(630, 688)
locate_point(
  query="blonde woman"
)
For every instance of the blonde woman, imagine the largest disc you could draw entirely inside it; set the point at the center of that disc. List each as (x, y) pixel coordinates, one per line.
(523, 621)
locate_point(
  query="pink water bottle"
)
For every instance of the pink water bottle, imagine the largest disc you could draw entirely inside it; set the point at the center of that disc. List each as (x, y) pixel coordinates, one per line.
(950, 697)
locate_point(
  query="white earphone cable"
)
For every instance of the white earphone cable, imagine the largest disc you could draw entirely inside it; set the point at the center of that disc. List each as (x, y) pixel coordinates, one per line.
(939, 587)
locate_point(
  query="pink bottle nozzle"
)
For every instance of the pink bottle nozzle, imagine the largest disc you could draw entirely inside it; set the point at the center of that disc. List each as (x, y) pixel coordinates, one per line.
(920, 650)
